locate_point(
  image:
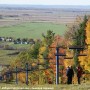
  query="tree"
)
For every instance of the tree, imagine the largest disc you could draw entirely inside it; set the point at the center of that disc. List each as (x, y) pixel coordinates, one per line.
(85, 61)
(29, 56)
(24, 40)
(35, 50)
(48, 38)
(77, 37)
(79, 40)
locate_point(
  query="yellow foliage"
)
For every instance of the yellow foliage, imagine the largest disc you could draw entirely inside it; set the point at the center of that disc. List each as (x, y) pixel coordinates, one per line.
(40, 56)
(40, 59)
(69, 62)
(85, 60)
(42, 49)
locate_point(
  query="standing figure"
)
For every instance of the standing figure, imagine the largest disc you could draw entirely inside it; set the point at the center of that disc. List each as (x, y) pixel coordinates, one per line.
(70, 74)
(67, 74)
(79, 73)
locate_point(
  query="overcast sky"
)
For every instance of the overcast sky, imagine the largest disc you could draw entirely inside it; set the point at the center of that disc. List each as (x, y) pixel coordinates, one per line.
(47, 2)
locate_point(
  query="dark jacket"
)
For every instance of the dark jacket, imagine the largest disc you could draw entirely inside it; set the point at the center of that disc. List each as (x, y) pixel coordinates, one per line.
(79, 72)
(70, 72)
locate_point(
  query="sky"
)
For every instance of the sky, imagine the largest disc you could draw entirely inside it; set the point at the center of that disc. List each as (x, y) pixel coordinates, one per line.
(47, 2)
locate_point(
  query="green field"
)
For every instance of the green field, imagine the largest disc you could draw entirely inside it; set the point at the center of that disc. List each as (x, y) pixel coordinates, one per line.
(31, 30)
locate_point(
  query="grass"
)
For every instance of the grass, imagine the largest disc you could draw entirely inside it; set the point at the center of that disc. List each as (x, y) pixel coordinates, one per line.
(18, 46)
(15, 46)
(5, 58)
(45, 87)
(31, 30)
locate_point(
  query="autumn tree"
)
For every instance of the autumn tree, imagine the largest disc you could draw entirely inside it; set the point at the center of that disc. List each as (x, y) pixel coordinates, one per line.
(79, 40)
(77, 37)
(29, 56)
(85, 61)
(47, 41)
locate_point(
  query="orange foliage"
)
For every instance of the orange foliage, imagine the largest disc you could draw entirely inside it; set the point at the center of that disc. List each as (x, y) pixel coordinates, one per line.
(22, 77)
(57, 41)
(47, 72)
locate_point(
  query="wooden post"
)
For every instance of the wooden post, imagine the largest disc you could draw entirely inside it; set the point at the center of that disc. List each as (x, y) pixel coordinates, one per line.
(57, 66)
(26, 73)
(16, 76)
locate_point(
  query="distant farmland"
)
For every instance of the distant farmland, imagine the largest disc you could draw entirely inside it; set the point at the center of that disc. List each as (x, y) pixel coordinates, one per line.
(31, 30)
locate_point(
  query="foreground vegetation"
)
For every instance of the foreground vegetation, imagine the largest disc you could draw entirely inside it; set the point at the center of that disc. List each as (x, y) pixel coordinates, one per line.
(45, 87)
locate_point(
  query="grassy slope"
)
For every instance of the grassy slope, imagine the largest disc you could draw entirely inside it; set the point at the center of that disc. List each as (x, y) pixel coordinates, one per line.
(31, 30)
(5, 58)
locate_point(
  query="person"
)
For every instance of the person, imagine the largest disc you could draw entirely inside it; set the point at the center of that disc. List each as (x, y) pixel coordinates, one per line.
(79, 73)
(70, 74)
(67, 74)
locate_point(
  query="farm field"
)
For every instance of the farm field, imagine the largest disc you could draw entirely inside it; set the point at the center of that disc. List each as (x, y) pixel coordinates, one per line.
(31, 30)
(16, 15)
(29, 22)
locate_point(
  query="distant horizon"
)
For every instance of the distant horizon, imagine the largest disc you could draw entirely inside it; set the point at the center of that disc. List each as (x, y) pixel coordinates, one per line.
(46, 2)
(43, 5)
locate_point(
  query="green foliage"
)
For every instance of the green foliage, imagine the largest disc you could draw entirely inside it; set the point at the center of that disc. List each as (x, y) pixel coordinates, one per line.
(76, 34)
(45, 55)
(29, 56)
(61, 67)
(23, 58)
(35, 51)
(80, 37)
(49, 37)
(76, 60)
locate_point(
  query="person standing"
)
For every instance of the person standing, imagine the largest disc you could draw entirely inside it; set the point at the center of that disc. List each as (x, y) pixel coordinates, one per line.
(70, 74)
(79, 73)
(67, 74)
